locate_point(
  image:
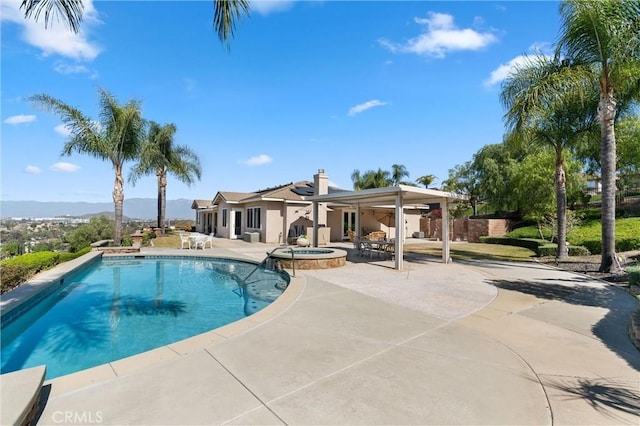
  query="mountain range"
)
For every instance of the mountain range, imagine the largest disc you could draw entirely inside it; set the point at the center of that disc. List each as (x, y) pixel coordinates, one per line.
(135, 208)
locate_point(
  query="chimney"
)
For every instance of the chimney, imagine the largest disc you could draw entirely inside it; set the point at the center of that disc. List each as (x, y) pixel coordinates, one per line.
(321, 183)
(321, 187)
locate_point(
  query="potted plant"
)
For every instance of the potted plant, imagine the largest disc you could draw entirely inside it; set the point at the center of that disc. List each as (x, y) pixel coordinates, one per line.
(302, 241)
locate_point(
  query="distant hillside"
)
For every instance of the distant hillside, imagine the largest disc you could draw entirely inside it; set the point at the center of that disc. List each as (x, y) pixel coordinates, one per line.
(135, 208)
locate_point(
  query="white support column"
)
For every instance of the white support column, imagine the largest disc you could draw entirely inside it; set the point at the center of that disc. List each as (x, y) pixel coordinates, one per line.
(357, 224)
(399, 246)
(444, 207)
(315, 223)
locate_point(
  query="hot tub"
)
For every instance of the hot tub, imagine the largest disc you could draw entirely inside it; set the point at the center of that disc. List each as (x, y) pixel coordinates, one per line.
(310, 257)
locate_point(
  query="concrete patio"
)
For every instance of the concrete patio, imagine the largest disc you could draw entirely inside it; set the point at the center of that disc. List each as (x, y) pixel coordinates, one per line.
(465, 343)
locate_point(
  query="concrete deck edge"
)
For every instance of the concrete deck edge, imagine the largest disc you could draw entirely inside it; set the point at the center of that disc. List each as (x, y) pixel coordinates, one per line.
(20, 395)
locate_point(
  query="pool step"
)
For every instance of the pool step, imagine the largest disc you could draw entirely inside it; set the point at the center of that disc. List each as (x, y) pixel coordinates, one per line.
(20, 395)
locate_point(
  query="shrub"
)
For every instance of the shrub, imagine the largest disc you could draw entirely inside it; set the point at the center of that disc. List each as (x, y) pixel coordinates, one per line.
(578, 251)
(529, 243)
(65, 257)
(552, 250)
(12, 275)
(35, 262)
(19, 269)
(628, 244)
(146, 236)
(634, 275)
(531, 232)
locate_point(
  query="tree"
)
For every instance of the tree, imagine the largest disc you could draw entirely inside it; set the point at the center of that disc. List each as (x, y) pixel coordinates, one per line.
(226, 13)
(398, 171)
(463, 179)
(426, 180)
(115, 138)
(605, 35)
(99, 228)
(542, 111)
(159, 155)
(371, 179)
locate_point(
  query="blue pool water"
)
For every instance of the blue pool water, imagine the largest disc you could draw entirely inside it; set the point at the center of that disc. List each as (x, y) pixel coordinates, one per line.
(123, 306)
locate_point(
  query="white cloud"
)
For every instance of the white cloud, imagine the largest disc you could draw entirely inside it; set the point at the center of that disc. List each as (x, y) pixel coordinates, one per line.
(62, 130)
(503, 71)
(19, 119)
(34, 170)
(66, 68)
(258, 160)
(440, 37)
(57, 38)
(64, 167)
(365, 106)
(265, 7)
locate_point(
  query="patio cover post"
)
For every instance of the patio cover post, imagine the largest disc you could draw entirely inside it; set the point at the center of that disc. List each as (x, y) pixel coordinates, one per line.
(315, 223)
(399, 246)
(444, 207)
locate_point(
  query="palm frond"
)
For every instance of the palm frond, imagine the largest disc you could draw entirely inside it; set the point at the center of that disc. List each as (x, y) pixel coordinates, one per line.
(226, 14)
(70, 11)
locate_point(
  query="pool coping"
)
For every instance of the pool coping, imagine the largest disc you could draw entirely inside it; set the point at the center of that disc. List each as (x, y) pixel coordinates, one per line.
(143, 360)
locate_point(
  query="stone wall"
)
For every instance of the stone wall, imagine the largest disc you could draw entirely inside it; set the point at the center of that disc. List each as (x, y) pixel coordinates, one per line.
(465, 229)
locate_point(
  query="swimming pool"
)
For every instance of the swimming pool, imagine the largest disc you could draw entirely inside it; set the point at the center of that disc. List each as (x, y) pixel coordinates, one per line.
(122, 306)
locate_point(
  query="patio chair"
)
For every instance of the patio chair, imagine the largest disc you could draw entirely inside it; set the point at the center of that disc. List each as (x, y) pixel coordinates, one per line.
(184, 239)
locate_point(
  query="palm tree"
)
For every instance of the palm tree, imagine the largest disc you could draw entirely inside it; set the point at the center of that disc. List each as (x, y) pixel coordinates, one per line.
(542, 111)
(398, 172)
(370, 179)
(226, 13)
(426, 180)
(159, 155)
(605, 35)
(115, 138)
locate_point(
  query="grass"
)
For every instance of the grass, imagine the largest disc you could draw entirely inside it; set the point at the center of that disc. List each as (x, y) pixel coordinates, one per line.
(168, 241)
(474, 251)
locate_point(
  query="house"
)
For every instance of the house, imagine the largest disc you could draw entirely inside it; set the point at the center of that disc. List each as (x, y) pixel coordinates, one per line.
(279, 214)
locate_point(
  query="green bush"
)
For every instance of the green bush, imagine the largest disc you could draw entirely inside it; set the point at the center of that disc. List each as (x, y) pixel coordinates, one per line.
(531, 232)
(12, 275)
(578, 251)
(146, 236)
(590, 235)
(19, 269)
(548, 250)
(65, 257)
(529, 243)
(634, 275)
(628, 244)
(35, 262)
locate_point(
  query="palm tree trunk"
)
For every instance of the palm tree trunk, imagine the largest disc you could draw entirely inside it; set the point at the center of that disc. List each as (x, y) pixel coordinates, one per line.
(118, 199)
(162, 198)
(607, 112)
(561, 206)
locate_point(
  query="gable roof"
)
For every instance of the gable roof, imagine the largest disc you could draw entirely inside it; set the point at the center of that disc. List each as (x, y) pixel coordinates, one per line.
(288, 192)
(201, 204)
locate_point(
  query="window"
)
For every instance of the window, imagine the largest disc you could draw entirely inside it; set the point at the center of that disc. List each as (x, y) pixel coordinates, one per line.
(224, 218)
(253, 218)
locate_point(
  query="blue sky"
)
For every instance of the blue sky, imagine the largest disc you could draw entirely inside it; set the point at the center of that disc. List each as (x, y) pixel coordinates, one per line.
(304, 85)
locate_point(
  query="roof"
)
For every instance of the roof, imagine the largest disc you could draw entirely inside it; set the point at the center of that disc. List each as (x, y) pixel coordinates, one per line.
(289, 192)
(201, 204)
(387, 196)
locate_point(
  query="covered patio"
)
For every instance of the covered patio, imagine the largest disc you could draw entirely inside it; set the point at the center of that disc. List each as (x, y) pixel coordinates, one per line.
(393, 197)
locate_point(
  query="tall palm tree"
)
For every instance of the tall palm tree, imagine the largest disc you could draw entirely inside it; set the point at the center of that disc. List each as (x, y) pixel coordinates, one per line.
(426, 180)
(226, 13)
(542, 111)
(606, 35)
(115, 138)
(159, 155)
(398, 171)
(370, 179)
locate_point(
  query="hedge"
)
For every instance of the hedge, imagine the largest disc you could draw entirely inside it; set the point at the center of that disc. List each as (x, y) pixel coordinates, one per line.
(16, 270)
(540, 247)
(634, 275)
(528, 243)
